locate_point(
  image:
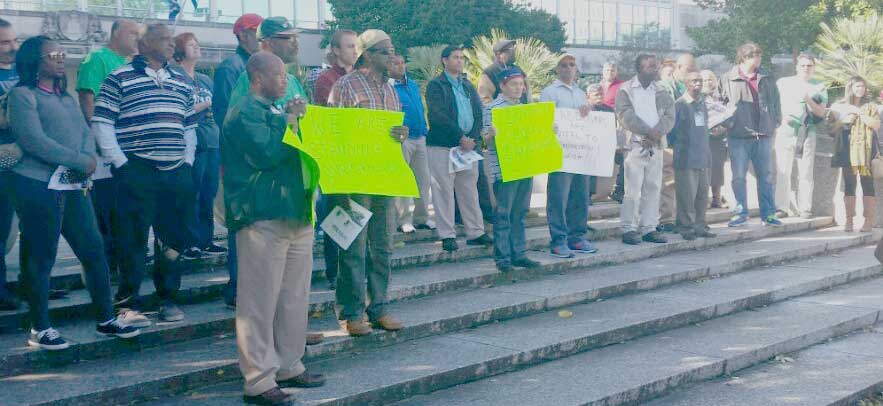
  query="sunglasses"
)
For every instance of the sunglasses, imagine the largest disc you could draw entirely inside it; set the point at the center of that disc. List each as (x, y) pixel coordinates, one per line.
(383, 51)
(57, 55)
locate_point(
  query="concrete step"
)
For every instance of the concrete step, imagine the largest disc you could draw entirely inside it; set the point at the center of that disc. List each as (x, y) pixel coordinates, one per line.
(625, 375)
(421, 365)
(836, 373)
(200, 286)
(559, 289)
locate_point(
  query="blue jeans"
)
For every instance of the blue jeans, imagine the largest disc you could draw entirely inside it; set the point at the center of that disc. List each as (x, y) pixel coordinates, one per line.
(46, 215)
(513, 203)
(6, 212)
(759, 152)
(567, 207)
(206, 176)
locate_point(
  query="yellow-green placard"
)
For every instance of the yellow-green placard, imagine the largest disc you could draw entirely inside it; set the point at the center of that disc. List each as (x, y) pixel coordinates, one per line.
(526, 141)
(354, 151)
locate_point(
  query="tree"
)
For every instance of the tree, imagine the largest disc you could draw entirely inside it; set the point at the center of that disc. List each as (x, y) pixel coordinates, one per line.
(851, 47)
(531, 55)
(778, 26)
(650, 39)
(413, 23)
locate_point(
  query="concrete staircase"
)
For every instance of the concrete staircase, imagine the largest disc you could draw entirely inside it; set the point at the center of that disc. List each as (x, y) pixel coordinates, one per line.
(624, 326)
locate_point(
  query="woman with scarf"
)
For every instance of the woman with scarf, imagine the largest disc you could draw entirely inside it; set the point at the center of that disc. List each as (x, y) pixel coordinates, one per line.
(855, 145)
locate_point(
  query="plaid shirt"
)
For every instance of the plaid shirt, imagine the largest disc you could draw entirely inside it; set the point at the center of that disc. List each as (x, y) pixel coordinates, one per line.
(356, 89)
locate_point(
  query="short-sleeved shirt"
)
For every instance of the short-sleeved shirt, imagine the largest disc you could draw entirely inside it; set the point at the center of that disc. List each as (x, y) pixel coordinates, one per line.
(150, 111)
(792, 93)
(95, 68)
(563, 95)
(208, 134)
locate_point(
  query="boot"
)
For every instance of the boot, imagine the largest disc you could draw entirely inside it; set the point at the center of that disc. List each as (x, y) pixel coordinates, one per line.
(870, 213)
(849, 202)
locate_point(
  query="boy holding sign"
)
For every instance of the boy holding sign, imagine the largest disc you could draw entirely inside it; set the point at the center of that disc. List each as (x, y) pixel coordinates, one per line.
(513, 198)
(692, 159)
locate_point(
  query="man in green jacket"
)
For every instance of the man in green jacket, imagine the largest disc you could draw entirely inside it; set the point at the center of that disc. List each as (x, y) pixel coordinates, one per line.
(268, 195)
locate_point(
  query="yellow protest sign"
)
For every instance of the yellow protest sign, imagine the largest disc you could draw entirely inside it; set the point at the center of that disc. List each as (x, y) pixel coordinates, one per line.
(526, 141)
(354, 151)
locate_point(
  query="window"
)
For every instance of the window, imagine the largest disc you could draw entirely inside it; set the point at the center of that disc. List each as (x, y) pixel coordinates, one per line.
(228, 10)
(565, 14)
(625, 13)
(260, 7)
(284, 8)
(307, 13)
(609, 33)
(596, 11)
(596, 32)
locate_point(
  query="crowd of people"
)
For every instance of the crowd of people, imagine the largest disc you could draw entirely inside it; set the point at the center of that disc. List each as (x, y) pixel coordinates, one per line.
(148, 135)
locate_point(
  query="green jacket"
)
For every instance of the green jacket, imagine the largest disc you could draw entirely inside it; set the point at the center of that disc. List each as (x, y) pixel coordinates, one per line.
(264, 179)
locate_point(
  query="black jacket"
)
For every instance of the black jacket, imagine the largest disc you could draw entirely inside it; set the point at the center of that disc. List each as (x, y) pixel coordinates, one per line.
(441, 104)
(746, 121)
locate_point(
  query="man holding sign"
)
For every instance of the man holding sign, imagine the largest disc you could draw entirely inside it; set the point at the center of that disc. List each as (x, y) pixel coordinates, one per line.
(367, 87)
(567, 194)
(268, 194)
(513, 196)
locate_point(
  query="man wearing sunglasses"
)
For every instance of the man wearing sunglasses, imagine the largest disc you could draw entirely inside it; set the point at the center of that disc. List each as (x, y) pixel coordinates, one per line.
(368, 87)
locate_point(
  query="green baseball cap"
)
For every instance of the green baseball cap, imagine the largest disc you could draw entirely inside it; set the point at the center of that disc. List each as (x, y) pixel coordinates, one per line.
(275, 26)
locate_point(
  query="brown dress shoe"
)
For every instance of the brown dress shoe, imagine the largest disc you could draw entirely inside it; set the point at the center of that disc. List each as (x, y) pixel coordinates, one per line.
(389, 323)
(272, 397)
(358, 328)
(304, 380)
(314, 338)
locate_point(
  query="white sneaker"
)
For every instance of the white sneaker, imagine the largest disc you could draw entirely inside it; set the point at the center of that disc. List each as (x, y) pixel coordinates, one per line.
(407, 228)
(133, 318)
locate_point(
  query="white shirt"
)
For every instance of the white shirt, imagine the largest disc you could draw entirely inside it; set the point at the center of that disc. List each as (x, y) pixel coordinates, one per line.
(644, 101)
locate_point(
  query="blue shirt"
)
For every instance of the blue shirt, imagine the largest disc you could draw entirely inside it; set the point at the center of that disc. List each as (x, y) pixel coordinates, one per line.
(564, 96)
(8, 80)
(464, 105)
(412, 106)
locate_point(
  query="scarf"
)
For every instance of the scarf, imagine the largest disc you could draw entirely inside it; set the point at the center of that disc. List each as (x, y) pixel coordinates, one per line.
(861, 142)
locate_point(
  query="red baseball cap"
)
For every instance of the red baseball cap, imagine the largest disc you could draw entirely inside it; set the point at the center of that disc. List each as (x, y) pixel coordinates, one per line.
(249, 21)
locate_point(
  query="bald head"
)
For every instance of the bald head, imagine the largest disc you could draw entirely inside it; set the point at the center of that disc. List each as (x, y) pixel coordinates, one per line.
(266, 75)
(124, 35)
(686, 63)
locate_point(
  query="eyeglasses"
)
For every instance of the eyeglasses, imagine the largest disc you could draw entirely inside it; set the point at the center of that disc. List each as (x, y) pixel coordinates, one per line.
(56, 55)
(567, 65)
(383, 51)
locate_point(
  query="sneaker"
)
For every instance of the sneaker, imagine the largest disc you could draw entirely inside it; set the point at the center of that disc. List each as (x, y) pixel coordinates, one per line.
(170, 313)
(117, 328)
(449, 245)
(616, 196)
(583, 247)
(561, 251)
(133, 318)
(666, 228)
(738, 221)
(631, 238)
(772, 221)
(49, 339)
(781, 214)
(526, 263)
(484, 239)
(407, 228)
(9, 303)
(191, 254)
(655, 237)
(214, 250)
(688, 235)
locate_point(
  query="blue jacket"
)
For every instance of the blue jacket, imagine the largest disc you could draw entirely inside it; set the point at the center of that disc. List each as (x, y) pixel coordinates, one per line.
(412, 106)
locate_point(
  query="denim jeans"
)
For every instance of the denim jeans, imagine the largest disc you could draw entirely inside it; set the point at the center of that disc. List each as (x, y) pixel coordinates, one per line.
(104, 199)
(6, 212)
(149, 196)
(46, 215)
(206, 176)
(759, 152)
(567, 207)
(513, 203)
(330, 250)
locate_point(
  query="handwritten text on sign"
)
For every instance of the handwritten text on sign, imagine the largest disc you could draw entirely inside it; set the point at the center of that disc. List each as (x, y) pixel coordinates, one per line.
(355, 152)
(589, 143)
(525, 140)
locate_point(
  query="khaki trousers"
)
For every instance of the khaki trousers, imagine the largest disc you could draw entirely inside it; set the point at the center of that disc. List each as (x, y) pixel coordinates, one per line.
(444, 185)
(667, 198)
(275, 260)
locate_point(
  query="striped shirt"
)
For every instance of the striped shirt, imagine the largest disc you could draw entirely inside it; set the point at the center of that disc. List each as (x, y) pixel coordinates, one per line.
(356, 89)
(492, 160)
(150, 111)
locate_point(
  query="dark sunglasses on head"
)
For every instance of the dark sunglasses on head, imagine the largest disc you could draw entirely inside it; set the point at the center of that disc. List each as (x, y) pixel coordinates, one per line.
(55, 55)
(383, 51)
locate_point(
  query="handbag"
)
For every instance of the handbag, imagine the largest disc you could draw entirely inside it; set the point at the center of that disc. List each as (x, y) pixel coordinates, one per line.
(10, 155)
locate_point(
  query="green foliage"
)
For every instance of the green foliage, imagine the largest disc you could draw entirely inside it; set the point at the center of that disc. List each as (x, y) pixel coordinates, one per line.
(413, 23)
(424, 63)
(648, 40)
(851, 47)
(531, 55)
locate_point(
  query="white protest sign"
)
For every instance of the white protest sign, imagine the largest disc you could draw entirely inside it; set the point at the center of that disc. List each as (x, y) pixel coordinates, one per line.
(589, 143)
(343, 226)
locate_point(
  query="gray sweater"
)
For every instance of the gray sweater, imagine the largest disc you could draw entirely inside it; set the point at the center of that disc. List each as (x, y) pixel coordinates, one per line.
(51, 131)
